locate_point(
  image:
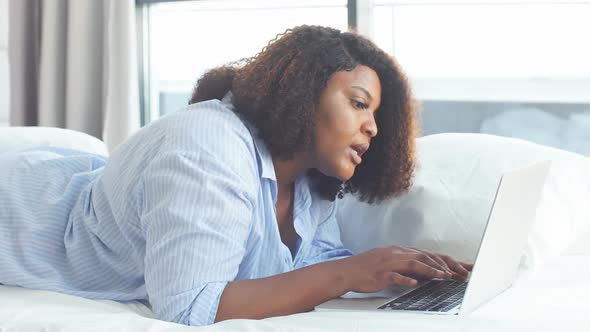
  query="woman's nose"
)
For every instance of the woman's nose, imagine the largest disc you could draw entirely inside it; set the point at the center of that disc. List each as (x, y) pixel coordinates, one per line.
(370, 127)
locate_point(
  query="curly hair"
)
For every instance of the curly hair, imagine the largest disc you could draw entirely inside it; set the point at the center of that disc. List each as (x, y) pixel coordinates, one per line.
(278, 89)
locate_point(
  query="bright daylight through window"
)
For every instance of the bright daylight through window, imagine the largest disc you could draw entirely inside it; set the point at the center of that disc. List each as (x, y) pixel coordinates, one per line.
(476, 65)
(187, 38)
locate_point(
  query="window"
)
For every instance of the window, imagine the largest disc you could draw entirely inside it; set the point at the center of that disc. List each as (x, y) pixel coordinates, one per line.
(477, 65)
(483, 50)
(518, 68)
(186, 38)
(487, 40)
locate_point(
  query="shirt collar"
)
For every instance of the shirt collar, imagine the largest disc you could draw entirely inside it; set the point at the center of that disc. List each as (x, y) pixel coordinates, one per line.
(264, 158)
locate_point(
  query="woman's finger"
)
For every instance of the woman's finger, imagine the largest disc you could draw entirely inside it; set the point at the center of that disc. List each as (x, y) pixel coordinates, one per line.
(430, 259)
(459, 269)
(402, 280)
(438, 259)
(467, 266)
(413, 267)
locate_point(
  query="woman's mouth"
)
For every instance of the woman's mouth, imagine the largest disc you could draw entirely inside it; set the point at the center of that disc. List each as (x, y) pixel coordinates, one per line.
(356, 152)
(356, 159)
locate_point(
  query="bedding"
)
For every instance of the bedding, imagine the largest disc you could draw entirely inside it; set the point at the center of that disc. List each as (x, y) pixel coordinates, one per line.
(14, 138)
(539, 302)
(447, 207)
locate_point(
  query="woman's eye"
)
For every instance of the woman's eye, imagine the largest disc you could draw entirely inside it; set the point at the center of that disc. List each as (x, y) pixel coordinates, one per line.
(359, 105)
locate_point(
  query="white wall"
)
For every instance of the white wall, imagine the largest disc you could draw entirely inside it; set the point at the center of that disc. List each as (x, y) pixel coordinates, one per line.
(4, 92)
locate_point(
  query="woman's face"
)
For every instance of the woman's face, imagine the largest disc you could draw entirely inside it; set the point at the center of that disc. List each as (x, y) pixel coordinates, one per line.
(345, 121)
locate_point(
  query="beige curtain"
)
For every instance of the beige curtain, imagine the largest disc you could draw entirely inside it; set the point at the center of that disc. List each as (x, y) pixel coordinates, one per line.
(73, 64)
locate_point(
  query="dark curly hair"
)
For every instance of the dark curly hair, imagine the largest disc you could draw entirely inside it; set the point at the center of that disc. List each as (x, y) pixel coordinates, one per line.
(278, 89)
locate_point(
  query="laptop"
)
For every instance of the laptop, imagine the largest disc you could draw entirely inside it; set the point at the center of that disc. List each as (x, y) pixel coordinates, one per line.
(496, 263)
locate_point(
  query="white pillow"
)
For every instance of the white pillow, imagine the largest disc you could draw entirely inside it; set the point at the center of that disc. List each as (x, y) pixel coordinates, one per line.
(16, 138)
(447, 207)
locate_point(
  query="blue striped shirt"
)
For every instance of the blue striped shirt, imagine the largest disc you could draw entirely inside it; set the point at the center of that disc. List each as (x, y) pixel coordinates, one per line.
(180, 209)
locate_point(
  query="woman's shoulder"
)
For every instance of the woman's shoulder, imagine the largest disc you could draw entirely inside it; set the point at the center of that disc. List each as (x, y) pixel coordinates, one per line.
(205, 127)
(208, 131)
(207, 121)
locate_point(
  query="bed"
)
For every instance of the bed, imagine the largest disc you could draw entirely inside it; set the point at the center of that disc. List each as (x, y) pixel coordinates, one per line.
(555, 299)
(551, 293)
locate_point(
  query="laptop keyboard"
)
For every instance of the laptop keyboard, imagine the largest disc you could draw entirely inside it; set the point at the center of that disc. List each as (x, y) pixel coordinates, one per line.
(436, 295)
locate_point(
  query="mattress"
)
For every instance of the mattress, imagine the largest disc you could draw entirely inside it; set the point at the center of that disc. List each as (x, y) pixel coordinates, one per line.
(554, 298)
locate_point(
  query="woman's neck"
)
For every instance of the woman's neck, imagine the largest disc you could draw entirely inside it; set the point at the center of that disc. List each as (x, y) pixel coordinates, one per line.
(287, 171)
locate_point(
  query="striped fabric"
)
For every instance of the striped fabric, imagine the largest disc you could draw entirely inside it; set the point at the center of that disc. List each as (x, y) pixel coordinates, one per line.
(180, 209)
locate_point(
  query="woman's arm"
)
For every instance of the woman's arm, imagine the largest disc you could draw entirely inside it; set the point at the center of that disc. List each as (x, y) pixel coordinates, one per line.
(196, 217)
(283, 294)
(301, 290)
(328, 273)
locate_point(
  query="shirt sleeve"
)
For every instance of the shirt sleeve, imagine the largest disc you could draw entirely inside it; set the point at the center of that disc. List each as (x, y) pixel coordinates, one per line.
(326, 244)
(196, 217)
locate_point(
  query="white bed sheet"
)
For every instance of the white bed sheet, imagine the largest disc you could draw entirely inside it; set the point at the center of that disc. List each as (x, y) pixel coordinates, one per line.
(557, 298)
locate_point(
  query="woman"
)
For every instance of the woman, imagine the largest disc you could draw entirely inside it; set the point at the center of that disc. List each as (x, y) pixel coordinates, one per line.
(226, 209)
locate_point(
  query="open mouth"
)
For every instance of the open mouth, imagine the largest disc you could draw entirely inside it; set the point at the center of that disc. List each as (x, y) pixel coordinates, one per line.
(357, 151)
(360, 148)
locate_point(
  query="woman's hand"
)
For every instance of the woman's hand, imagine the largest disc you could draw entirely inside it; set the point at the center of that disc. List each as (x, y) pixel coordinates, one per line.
(380, 268)
(302, 289)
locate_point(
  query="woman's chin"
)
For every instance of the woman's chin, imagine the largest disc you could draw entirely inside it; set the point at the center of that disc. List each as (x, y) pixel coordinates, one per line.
(342, 172)
(345, 174)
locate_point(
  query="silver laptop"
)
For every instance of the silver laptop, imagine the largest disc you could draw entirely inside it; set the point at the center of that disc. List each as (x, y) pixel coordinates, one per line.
(496, 263)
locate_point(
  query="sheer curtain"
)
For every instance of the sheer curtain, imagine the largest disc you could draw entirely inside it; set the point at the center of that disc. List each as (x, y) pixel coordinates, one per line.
(73, 64)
